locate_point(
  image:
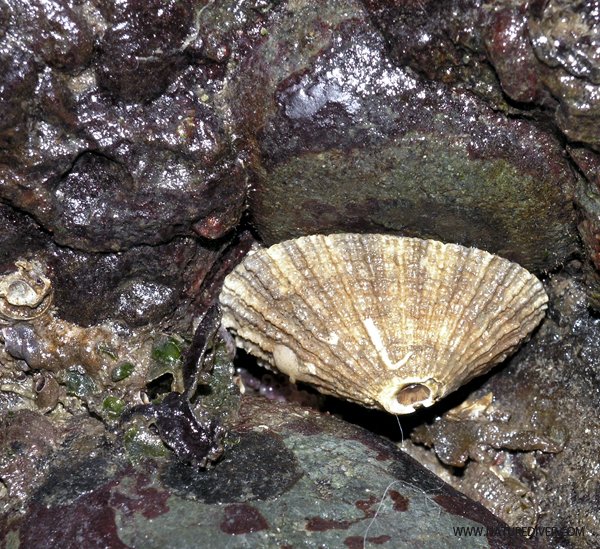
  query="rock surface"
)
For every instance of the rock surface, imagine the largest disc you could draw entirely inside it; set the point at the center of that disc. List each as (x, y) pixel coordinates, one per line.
(126, 147)
(291, 477)
(352, 142)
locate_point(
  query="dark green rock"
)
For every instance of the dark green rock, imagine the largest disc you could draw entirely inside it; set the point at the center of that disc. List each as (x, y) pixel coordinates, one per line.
(422, 186)
(291, 477)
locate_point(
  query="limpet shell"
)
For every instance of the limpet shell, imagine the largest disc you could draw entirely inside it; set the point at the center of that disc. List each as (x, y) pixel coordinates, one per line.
(389, 322)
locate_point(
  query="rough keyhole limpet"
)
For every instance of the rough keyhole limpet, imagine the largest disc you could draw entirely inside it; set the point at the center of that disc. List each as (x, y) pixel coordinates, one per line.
(386, 321)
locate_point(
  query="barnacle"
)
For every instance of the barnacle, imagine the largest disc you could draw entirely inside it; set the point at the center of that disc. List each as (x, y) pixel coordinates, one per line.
(389, 322)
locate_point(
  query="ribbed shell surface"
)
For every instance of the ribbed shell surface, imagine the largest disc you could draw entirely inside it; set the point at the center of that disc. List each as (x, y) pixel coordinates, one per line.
(364, 316)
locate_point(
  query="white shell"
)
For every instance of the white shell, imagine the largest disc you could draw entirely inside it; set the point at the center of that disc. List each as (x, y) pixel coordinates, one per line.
(389, 322)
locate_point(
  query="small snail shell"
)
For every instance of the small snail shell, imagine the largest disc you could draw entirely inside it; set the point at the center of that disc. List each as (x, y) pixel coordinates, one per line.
(25, 293)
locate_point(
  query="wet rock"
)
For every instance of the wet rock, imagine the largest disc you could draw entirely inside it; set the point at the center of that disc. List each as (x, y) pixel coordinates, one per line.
(144, 285)
(444, 43)
(565, 37)
(143, 47)
(241, 476)
(565, 34)
(18, 81)
(515, 55)
(79, 473)
(19, 236)
(334, 488)
(588, 200)
(26, 441)
(163, 167)
(128, 146)
(465, 439)
(55, 30)
(508, 45)
(351, 142)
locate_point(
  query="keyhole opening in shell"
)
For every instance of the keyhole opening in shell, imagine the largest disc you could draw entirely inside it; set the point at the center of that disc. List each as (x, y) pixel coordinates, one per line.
(412, 394)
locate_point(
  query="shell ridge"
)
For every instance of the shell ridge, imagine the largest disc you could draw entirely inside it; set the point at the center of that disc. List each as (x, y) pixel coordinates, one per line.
(410, 258)
(347, 373)
(322, 344)
(402, 251)
(399, 264)
(499, 334)
(378, 339)
(360, 357)
(315, 320)
(322, 351)
(519, 288)
(462, 342)
(493, 356)
(251, 311)
(528, 286)
(455, 306)
(380, 355)
(245, 277)
(413, 274)
(349, 298)
(393, 303)
(510, 339)
(495, 275)
(492, 273)
(498, 273)
(424, 297)
(428, 270)
(423, 305)
(432, 291)
(447, 335)
(274, 322)
(334, 304)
